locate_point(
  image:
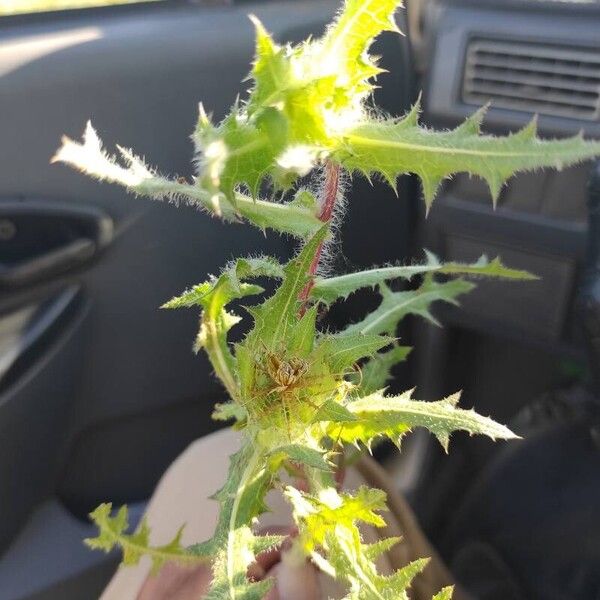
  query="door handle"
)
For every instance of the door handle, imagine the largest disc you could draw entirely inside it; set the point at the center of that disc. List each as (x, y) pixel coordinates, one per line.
(47, 264)
(40, 240)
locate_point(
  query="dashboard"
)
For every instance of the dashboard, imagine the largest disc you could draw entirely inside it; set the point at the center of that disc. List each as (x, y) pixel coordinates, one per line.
(525, 58)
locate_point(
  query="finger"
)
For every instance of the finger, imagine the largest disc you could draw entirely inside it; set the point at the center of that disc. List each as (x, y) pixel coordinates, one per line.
(294, 582)
(177, 582)
(269, 558)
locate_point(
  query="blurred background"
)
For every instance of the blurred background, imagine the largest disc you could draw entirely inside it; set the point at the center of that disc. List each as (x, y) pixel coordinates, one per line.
(99, 390)
(19, 7)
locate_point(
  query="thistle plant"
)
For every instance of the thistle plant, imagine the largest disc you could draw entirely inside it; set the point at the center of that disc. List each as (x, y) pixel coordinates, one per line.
(299, 395)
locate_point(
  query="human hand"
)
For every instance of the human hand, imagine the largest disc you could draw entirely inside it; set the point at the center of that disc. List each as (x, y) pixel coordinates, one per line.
(293, 580)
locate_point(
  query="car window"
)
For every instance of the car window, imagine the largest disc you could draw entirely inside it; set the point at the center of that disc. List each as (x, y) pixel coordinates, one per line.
(14, 7)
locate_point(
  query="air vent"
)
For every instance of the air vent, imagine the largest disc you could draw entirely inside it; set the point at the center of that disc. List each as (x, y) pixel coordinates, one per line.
(536, 78)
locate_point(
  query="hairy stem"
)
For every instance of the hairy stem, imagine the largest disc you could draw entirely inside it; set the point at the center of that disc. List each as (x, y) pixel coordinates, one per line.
(327, 201)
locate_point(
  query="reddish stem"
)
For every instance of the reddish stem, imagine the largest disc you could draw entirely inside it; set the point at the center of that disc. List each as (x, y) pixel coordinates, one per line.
(330, 191)
(328, 199)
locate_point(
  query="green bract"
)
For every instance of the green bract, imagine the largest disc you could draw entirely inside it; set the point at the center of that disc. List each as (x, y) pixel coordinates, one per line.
(299, 394)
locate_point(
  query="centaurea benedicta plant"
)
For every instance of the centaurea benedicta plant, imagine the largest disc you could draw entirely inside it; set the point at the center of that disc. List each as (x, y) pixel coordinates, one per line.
(299, 395)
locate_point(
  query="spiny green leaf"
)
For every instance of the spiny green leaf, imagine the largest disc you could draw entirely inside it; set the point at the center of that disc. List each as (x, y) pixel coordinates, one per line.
(331, 289)
(212, 336)
(271, 71)
(393, 147)
(301, 337)
(328, 532)
(394, 416)
(376, 372)
(240, 151)
(90, 158)
(246, 369)
(229, 411)
(341, 352)
(292, 218)
(482, 268)
(304, 455)
(271, 135)
(334, 412)
(357, 25)
(216, 322)
(445, 594)
(203, 294)
(349, 38)
(319, 516)
(218, 292)
(376, 549)
(275, 317)
(396, 305)
(402, 579)
(113, 533)
(303, 97)
(361, 574)
(264, 543)
(369, 429)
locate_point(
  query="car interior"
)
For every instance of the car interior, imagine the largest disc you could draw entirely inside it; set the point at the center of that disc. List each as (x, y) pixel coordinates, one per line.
(100, 391)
